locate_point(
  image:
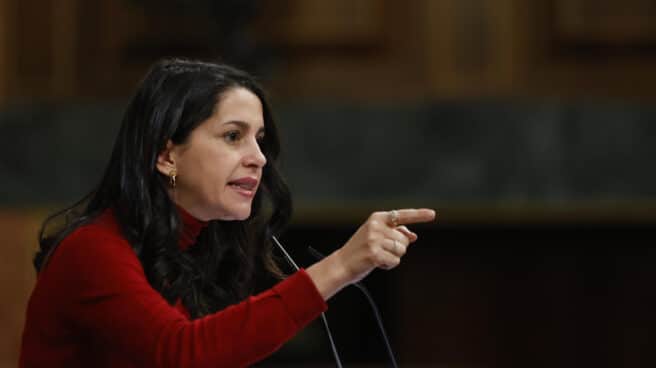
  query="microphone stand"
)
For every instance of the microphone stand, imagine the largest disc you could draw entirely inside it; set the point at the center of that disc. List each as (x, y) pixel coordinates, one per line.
(366, 293)
(323, 315)
(358, 285)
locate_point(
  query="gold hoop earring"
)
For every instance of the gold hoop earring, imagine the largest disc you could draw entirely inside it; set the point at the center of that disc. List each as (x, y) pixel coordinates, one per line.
(172, 175)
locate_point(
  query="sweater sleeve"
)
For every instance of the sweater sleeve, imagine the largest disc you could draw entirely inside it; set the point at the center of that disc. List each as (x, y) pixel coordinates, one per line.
(107, 296)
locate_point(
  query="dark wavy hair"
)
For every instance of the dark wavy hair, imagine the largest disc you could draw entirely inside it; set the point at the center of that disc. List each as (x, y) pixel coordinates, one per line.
(175, 96)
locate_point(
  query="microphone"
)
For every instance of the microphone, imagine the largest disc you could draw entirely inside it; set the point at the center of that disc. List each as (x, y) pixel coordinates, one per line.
(366, 293)
(323, 315)
(316, 254)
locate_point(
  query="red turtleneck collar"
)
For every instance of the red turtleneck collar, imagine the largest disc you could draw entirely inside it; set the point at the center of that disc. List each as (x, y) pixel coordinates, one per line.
(191, 227)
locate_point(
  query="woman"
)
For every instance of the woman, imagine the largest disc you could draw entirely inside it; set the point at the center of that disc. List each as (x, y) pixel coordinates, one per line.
(157, 268)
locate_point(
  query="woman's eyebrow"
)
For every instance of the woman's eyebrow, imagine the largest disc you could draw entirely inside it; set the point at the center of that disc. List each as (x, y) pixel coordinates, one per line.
(239, 123)
(243, 125)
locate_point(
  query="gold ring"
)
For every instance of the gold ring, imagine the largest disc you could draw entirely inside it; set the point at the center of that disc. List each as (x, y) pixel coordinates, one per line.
(394, 218)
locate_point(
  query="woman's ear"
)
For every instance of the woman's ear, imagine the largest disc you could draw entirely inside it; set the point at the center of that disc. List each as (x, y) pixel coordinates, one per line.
(165, 159)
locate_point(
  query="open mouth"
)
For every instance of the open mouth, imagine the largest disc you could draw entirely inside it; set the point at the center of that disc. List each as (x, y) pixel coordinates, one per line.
(244, 186)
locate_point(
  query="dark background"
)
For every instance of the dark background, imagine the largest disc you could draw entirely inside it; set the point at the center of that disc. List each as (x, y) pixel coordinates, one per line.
(496, 296)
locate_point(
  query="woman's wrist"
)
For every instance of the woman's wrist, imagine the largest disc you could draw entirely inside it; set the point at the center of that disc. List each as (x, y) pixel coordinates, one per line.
(329, 275)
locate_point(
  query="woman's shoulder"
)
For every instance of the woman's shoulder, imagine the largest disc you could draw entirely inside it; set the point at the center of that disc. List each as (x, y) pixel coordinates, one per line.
(102, 237)
(89, 262)
(103, 227)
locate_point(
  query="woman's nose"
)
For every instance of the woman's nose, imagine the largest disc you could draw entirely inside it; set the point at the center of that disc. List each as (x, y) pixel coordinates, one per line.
(255, 157)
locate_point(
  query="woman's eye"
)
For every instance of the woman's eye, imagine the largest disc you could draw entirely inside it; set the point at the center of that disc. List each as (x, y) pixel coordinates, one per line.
(231, 136)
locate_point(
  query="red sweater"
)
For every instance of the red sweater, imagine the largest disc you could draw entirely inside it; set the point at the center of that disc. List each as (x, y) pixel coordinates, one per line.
(93, 307)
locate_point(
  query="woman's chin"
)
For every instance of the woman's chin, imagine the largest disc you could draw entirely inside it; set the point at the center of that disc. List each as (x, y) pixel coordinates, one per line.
(229, 211)
(242, 217)
(237, 215)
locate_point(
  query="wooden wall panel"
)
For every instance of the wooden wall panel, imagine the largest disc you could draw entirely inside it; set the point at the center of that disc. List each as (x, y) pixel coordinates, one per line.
(366, 50)
(381, 56)
(121, 39)
(605, 22)
(37, 48)
(64, 36)
(34, 47)
(320, 23)
(472, 47)
(582, 64)
(5, 28)
(18, 234)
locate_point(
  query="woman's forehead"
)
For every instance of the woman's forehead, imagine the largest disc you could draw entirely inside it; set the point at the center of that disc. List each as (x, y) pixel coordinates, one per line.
(239, 104)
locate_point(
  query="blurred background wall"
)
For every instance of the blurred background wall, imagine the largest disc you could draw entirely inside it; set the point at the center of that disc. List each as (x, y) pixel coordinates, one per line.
(528, 125)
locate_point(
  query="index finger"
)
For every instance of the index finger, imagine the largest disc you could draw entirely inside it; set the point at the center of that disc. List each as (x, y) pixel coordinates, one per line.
(413, 216)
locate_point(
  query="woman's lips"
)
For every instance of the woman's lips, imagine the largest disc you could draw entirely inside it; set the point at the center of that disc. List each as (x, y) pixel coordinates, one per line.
(246, 186)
